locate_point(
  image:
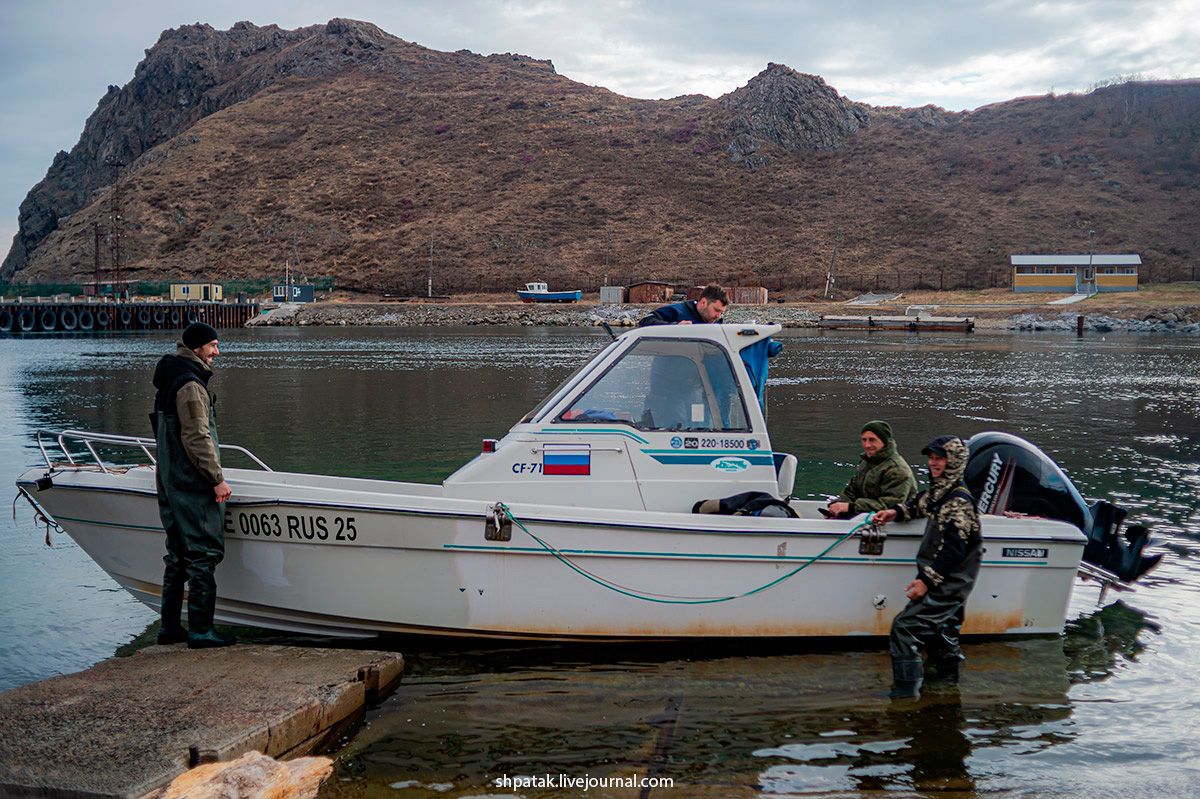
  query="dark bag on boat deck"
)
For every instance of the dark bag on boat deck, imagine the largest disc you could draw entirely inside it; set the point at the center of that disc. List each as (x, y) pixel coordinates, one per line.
(750, 503)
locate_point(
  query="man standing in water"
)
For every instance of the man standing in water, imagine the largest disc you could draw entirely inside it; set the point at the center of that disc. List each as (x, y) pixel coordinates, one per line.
(707, 309)
(948, 562)
(191, 488)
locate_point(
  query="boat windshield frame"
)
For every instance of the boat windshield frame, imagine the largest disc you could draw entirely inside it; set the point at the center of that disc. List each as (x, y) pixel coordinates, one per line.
(570, 379)
(720, 420)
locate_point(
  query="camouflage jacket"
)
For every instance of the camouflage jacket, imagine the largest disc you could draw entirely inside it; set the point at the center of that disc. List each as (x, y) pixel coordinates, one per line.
(951, 551)
(879, 482)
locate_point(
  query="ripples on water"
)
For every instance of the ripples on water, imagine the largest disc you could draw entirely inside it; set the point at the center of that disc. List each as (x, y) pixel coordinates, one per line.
(1107, 710)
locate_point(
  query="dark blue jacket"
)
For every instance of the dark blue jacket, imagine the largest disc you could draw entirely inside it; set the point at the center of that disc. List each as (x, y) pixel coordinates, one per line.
(674, 314)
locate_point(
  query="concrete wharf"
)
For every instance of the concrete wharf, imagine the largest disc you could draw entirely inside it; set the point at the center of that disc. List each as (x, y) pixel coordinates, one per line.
(123, 728)
(85, 315)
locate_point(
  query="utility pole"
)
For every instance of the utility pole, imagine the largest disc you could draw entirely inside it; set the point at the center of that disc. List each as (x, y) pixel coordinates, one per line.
(429, 288)
(829, 281)
(114, 242)
(1091, 249)
(607, 250)
(96, 254)
(296, 258)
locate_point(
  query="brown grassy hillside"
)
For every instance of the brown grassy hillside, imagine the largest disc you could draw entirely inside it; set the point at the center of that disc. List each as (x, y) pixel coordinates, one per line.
(519, 174)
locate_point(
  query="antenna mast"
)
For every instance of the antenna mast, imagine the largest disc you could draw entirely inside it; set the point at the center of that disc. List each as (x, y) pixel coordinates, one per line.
(114, 241)
(829, 281)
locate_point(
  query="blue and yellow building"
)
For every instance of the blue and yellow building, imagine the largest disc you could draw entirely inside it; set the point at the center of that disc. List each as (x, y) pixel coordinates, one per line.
(1075, 274)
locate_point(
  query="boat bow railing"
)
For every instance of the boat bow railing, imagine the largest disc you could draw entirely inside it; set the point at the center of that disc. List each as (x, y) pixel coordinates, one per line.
(90, 438)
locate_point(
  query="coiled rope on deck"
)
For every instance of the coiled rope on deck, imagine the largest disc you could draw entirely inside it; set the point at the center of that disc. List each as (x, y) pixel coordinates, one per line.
(671, 599)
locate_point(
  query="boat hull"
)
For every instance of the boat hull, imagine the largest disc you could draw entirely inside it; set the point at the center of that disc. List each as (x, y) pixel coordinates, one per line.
(349, 557)
(550, 296)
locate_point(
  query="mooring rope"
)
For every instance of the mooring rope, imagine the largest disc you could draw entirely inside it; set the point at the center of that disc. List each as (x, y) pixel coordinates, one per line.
(39, 516)
(671, 599)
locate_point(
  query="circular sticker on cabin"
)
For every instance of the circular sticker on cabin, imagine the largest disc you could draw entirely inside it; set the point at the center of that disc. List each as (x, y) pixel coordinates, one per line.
(676, 442)
(730, 465)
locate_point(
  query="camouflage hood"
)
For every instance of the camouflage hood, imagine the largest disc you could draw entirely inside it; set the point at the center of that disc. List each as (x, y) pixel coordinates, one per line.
(942, 485)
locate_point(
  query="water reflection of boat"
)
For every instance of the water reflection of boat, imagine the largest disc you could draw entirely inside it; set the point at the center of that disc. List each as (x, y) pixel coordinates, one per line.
(717, 724)
(763, 721)
(575, 525)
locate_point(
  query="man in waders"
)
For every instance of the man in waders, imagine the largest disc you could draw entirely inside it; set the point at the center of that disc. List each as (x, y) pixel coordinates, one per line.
(191, 488)
(948, 562)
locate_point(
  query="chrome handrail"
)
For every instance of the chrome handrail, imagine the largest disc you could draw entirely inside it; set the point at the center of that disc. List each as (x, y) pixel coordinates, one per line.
(87, 437)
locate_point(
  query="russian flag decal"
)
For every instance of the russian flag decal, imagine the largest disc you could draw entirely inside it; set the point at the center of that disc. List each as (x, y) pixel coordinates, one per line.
(567, 459)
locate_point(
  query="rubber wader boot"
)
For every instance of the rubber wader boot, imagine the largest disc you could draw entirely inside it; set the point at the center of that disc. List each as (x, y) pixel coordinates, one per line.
(201, 634)
(947, 669)
(170, 631)
(906, 678)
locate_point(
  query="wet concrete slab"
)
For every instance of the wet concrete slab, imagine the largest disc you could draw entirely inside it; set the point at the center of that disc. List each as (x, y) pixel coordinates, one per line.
(123, 728)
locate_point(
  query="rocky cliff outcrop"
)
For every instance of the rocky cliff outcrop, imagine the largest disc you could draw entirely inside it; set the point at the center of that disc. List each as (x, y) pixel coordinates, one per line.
(191, 72)
(791, 110)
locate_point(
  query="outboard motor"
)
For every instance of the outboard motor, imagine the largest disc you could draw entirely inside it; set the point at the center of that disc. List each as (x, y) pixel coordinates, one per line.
(1007, 473)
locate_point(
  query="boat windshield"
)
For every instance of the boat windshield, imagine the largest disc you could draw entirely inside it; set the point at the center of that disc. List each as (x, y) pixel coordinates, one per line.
(537, 411)
(664, 384)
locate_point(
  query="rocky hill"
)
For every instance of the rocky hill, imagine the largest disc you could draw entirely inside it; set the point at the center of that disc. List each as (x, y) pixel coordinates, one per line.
(360, 147)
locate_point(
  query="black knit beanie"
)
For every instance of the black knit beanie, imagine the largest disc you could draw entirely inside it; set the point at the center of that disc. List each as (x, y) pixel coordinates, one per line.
(881, 429)
(197, 334)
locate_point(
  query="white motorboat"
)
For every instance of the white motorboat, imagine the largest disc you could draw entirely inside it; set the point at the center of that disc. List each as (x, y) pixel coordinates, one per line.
(577, 524)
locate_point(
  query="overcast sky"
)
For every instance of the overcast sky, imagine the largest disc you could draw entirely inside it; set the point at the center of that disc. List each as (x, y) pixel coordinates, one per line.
(57, 57)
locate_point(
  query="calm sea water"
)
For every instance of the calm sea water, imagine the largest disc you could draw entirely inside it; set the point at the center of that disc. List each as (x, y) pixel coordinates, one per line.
(1109, 709)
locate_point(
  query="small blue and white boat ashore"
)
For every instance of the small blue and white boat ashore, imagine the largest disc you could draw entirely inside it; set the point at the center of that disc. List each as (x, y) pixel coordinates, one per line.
(578, 523)
(540, 292)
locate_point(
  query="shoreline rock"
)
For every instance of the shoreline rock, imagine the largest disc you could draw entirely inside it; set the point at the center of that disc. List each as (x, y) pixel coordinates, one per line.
(1177, 319)
(575, 315)
(1180, 319)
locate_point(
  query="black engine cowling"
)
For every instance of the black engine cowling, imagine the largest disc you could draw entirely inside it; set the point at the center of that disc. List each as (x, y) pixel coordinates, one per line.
(1007, 473)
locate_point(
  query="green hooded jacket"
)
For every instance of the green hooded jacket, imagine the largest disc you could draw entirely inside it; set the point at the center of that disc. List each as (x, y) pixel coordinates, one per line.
(880, 481)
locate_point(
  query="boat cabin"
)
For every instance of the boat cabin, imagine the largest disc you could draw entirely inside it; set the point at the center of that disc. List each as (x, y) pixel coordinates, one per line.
(537, 287)
(662, 418)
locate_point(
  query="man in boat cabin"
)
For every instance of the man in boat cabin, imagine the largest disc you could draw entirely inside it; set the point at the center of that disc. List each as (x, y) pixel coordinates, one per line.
(948, 563)
(706, 309)
(883, 478)
(191, 488)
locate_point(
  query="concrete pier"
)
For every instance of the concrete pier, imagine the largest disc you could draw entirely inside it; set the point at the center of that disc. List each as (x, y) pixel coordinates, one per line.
(123, 728)
(961, 323)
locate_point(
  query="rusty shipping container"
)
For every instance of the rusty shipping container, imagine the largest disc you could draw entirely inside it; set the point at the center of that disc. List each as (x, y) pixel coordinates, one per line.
(741, 295)
(648, 292)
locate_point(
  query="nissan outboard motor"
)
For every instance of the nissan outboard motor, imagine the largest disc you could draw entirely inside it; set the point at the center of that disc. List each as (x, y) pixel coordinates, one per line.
(1007, 473)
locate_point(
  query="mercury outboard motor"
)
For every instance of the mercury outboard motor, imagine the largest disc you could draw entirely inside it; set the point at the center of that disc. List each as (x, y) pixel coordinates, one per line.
(1007, 473)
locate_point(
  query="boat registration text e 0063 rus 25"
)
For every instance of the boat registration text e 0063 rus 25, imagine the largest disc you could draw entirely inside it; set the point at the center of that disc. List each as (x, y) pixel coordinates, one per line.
(302, 527)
